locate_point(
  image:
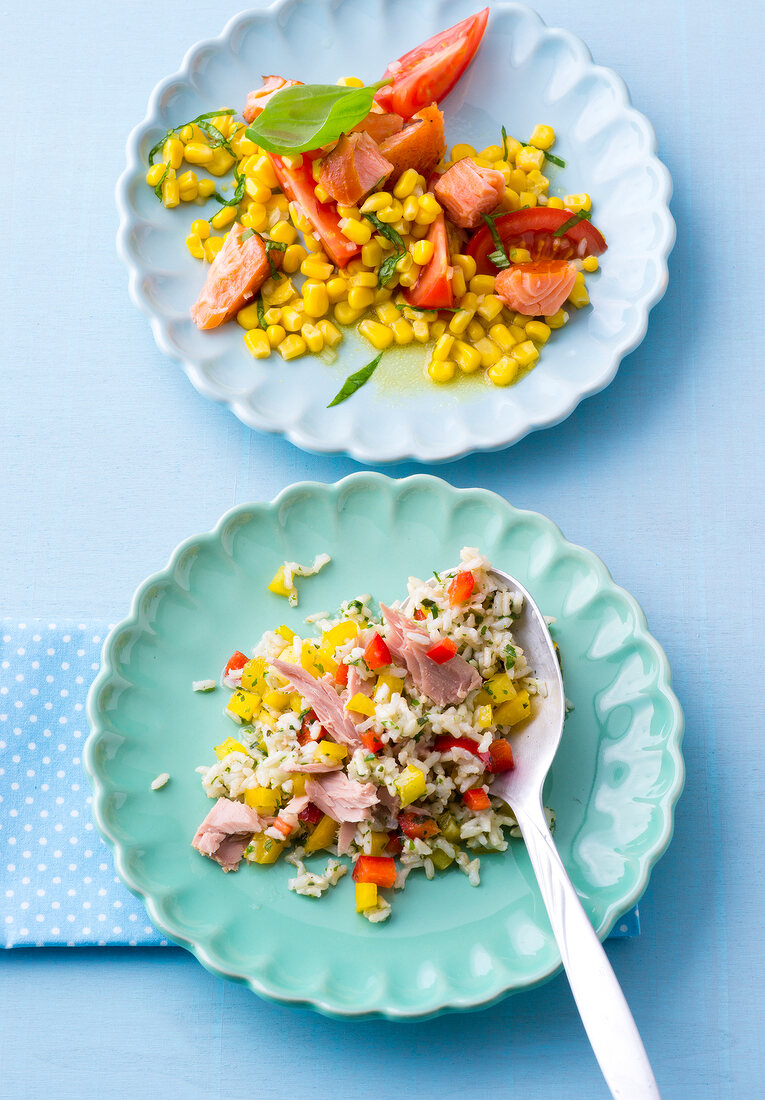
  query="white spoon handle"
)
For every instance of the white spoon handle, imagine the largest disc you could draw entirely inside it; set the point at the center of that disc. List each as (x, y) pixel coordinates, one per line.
(604, 1011)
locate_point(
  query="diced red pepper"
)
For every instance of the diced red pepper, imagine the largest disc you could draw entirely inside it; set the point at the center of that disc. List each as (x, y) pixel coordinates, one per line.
(312, 815)
(282, 826)
(306, 734)
(298, 185)
(420, 615)
(377, 654)
(442, 652)
(236, 661)
(417, 828)
(476, 799)
(501, 756)
(341, 676)
(394, 845)
(461, 588)
(381, 870)
(444, 742)
(371, 741)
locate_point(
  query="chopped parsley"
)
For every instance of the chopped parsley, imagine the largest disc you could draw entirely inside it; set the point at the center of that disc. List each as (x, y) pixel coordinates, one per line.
(510, 656)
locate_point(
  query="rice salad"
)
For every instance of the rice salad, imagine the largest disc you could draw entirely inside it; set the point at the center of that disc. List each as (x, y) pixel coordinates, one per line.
(375, 738)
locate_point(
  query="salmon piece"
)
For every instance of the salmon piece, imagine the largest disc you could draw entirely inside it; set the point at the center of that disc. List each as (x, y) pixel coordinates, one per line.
(380, 124)
(537, 289)
(419, 145)
(236, 274)
(257, 99)
(467, 191)
(353, 168)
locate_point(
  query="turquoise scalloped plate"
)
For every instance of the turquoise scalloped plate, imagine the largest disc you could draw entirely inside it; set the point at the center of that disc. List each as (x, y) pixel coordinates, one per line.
(525, 73)
(448, 946)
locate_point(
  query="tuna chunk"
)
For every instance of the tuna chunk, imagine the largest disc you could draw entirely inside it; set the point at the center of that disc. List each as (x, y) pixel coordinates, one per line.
(236, 274)
(380, 124)
(353, 168)
(420, 145)
(324, 701)
(467, 190)
(345, 835)
(358, 685)
(257, 99)
(447, 684)
(225, 832)
(343, 799)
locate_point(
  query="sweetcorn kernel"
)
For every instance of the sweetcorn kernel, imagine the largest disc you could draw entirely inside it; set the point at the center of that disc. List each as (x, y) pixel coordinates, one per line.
(557, 320)
(406, 184)
(503, 372)
(528, 158)
(475, 330)
(528, 199)
(378, 335)
(402, 330)
(248, 317)
(525, 353)
(292, 346)
(275, 334)
(387, 313)
(345, 314)
(283, 233)
(359, 232)
(488, 351)
(257, 343)
(378, 201)
(291, 319)
(590, 263)
(294, 255)
(538, 331)
(543, 137)
(411, 208)
(442, 370)
(459, 152)
(577, 203)
(458, 282)
(511, 200)
(519, 256)
(502, 336)
(422, 252)
(273, 316)
(466, 357)
(206, 188)
(314, 268)
(490, 308)
(437, 329)
(360, 297)
(579, 296)
(443, 346)
(492, 153)
(331, 335)
(155, 173)
(172, 152)
(195, 246)
(482, 284)
(421, 331)
(315, 299)
(171, 192)
(466, 264)
(312, 336)
(225, 216)
(350, 82)
(337, 289)
(460, 320)
(212, 247)
(371, 254)
(201, 228)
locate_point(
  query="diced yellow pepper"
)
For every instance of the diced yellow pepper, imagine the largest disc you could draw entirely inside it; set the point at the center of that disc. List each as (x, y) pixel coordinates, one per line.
(276, 700)
(328, 752)
(243, 704)
(361, 704)
(366, 896)
(498, 689)
(340, 634)
(323, 835)
(298, 784)
(378, 844)
(263, 849)
(392, 683)
(410, 785)
(227, 746)
(278, 584)
(253, 673)
(513, 711)
(485, 716)
(262, 799)
(285, 632)
(296, 702)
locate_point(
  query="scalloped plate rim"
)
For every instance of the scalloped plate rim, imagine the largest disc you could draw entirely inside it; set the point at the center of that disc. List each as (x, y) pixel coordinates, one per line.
(244, 413)
(663, 684)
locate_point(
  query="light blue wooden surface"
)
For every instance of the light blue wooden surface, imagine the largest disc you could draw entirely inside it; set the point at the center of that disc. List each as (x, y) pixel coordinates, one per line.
(108, 458)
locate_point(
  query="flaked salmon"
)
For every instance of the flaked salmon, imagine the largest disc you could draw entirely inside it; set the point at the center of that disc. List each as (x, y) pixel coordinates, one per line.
(353, 168)
(235, 276)
(419, 145)
(537, 289)
(380, 124)
(467, 190)
(257, 99)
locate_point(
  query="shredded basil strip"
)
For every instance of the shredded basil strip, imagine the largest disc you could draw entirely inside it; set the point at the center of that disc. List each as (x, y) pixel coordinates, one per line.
(582, 216)
(386, 231)
(261, 313)
(238, 195)
(272, 246)
(198, 121)
(355, 382)
(158, 188)
(556, 160)
(426, 309)
(504, 141)
(246, 235)
(307, 116)
(499, 258)
(388, 267)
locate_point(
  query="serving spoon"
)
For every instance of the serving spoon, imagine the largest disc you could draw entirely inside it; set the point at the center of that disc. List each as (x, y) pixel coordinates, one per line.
(602, 1006)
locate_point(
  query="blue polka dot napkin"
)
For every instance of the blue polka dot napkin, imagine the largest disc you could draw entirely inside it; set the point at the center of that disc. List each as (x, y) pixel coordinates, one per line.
(58, 882)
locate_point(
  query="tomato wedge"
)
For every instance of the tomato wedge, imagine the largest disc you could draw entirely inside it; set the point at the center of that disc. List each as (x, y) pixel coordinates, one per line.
(461, 588)
(433, 289)
(236, 661)
(429, 72)
(417, 828)
(381, 870)
(534, 230)
(298, 185)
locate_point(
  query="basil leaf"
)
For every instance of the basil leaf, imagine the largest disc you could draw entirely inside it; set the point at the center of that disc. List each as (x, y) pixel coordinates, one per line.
(499, 257)
(261, 313)
(238, 195)
(582, 216)
(386, 231)
(193, 122)
(355, 382)
(307, 116)
(388, 268)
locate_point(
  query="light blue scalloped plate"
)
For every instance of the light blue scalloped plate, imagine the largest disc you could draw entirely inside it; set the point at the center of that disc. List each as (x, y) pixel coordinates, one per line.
(448, 945)
(525, 73)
